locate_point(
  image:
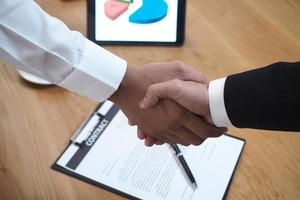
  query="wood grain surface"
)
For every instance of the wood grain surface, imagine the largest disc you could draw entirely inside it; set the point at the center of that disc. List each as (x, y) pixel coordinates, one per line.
(222, 37)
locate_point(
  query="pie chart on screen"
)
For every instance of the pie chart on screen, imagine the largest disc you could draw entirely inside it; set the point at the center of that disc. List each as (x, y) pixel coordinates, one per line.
(151, 11)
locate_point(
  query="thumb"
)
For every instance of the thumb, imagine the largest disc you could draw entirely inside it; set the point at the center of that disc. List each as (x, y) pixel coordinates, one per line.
(156, 92)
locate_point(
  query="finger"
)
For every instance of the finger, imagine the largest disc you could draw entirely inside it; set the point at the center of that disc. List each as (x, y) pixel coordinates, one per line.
(165, 137)
(200, 142)
(159, 142)
(149, 141)
(152, 139)
(175, 139)
(170, 137)
(143, 136)
(179, 70)
(190, 74)
(131, 123)
(168, 89)
(194, 75)
(204, 130)
(187, 137)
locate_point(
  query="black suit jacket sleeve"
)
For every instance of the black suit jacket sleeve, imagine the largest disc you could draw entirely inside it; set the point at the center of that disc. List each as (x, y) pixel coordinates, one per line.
(266, 98)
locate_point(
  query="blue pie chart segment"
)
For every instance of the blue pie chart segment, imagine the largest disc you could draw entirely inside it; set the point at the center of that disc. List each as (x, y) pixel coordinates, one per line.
(150, 12)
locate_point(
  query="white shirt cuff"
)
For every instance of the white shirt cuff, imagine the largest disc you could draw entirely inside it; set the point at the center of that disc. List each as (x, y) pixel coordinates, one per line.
(216, 103)
(98, 74)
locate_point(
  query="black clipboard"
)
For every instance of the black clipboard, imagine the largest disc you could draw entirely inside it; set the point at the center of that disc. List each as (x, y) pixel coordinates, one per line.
(180, 29)
(59, 168)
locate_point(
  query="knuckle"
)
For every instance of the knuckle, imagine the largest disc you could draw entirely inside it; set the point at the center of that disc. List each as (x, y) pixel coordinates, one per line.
(180, 68)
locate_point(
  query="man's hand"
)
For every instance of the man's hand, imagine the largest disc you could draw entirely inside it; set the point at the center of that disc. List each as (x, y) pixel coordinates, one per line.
(166, 122)
(191, 95)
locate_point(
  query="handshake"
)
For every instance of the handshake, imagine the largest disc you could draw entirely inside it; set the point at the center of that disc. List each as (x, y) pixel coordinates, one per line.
(168, 102)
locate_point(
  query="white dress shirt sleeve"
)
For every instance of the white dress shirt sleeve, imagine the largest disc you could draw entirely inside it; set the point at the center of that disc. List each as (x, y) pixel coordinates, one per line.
(216, 103)
(42, 45)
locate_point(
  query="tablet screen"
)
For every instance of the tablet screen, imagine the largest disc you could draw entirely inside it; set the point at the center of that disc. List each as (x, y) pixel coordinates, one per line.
(136, 20)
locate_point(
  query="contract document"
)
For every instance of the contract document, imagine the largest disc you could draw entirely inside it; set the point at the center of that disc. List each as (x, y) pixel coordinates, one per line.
(105, 152)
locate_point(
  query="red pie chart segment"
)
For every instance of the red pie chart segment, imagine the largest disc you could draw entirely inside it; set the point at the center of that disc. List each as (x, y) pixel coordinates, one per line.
(151, 10)
(113, 9)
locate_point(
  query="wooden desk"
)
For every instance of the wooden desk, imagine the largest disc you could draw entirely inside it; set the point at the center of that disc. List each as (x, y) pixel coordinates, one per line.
(222, 37)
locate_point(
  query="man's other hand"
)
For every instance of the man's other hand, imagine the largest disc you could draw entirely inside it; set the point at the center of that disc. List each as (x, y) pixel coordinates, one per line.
(167, 121)
(191, 95)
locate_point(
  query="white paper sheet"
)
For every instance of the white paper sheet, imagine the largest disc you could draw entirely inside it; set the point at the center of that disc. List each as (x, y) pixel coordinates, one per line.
(121, 161)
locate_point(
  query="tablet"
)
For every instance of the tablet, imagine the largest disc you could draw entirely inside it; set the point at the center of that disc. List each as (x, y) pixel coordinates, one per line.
(146, 22)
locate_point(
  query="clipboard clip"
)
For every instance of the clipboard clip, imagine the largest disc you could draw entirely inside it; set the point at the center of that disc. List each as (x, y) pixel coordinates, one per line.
(94, 125)
(83, 125)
